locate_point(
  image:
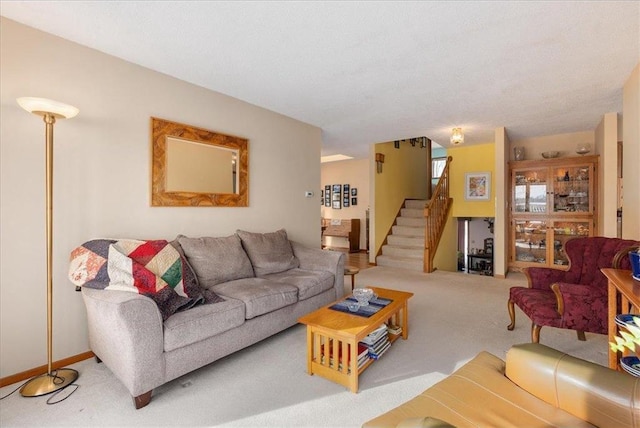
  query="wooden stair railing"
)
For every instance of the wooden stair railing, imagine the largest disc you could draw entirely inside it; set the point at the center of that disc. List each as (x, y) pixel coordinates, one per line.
(436, 212)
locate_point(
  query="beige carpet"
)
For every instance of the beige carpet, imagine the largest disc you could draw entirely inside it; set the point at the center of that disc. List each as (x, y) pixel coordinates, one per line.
(453, 316)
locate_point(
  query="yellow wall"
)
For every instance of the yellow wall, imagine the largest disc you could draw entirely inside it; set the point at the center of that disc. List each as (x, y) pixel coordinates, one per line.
(446, 254)
(404, 176)
(466, 159)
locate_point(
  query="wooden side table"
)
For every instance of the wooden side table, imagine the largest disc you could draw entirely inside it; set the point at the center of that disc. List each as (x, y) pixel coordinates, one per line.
(352, 271)
(620, 284)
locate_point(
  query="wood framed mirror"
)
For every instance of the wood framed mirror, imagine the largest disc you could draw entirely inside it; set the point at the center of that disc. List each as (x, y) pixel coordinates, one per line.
(196, 167)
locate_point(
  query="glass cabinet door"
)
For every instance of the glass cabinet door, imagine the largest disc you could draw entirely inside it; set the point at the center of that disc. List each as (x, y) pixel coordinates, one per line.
(564, 231)
(530, 241)
(530, 191)
(571, 189)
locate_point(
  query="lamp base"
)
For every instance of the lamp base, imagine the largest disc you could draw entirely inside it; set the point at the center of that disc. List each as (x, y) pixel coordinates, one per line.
(49, 382)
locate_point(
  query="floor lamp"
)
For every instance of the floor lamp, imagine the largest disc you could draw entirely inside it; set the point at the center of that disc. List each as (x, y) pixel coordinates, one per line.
(53, 380)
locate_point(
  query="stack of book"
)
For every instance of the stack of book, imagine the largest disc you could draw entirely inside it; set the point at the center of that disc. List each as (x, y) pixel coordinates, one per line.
(377, 342)
(363, 355)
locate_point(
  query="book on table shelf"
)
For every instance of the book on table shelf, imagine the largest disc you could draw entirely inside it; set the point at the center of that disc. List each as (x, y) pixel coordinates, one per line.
(377, 342)
(394, 329)
(363, 355)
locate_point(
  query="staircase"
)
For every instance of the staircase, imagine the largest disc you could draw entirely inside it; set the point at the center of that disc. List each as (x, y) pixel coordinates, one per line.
(405, 245)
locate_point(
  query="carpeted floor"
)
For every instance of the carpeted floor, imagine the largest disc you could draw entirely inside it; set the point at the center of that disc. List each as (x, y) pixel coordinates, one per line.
(452, 317)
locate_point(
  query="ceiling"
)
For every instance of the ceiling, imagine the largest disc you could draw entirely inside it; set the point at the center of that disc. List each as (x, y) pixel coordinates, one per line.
(369, 72)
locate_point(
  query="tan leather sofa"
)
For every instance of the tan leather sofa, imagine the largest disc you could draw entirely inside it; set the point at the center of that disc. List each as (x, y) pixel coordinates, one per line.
(536, 387)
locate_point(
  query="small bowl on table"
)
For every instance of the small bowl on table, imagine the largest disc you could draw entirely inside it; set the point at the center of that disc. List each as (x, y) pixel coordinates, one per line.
(353, 306)
(363, 295)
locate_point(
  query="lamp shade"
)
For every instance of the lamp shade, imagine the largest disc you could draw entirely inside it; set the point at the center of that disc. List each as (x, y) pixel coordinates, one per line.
(41, 106)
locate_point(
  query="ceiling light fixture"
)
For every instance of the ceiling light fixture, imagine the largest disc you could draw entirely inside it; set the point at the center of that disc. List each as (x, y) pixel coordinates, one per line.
(457, 137)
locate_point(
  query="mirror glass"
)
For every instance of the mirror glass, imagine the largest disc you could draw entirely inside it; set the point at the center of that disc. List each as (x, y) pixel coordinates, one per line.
(196, 167)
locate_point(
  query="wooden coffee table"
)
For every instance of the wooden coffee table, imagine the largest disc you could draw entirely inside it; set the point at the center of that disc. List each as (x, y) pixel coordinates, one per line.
(331, 332)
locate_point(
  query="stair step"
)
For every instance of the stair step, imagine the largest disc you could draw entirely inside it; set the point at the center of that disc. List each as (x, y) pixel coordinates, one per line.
(417, 204)
(408, 231)
(400, 262)
(411, 221)
(399, 251)
(406, 241)
(413, 213)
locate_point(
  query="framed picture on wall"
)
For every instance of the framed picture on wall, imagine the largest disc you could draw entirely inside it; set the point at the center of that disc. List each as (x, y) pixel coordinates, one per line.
(345, 189)
(354, 191)
(336, 205)
(345, 202)
(354, 201)
(337, 188)
(477, 186)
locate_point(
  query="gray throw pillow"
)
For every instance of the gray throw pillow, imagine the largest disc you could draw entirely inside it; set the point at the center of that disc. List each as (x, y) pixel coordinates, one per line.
(269, 252)
(216, 260)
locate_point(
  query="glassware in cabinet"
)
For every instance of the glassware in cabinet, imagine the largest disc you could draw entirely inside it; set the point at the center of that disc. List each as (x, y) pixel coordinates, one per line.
(530, 238)
(530, 190)
(571, 189)
(564, 230)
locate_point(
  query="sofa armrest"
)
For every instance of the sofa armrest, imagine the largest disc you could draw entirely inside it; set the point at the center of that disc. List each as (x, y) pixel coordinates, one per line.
(541, 278)
(572, 297)
(317, 259)
(126, 333)
(591, 392)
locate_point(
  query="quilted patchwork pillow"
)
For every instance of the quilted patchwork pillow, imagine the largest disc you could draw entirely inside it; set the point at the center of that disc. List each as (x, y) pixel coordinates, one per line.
(269, 252)
(216, 260)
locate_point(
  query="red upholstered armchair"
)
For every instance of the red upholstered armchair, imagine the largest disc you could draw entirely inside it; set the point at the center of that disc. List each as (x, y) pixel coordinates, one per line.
(574, 299)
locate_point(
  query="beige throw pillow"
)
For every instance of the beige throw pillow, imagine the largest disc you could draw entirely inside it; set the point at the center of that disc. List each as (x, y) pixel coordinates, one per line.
(269, 252)
(216, 260)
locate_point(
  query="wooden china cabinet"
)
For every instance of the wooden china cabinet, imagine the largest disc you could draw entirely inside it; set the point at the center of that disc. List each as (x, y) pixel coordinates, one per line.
(552, 201)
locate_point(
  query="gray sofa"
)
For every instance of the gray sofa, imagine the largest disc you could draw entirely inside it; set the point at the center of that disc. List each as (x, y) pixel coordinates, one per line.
(267, 283)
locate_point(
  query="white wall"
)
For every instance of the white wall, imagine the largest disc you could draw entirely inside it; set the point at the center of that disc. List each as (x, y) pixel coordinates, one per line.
(606, 140)
(102, 177)
(355, 173)
(631, 156)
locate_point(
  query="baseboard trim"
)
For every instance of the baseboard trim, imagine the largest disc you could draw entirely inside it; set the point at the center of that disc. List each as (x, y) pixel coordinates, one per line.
(37, 371)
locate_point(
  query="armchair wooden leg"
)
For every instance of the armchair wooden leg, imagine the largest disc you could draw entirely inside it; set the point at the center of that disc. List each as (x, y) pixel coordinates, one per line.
(98, 360)
(535, 333)
(512, 315)
(581, 335)
(142, 400)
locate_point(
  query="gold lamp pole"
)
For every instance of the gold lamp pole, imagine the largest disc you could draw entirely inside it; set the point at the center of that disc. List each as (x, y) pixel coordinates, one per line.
(53, 380)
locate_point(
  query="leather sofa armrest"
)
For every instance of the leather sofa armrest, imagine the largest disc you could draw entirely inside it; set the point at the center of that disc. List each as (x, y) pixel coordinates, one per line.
(327, 260)
(591, 392)
(427, 422)
(126, 333)
(541, 278)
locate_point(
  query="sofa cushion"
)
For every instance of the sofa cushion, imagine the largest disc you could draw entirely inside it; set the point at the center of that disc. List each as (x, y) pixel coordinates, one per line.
(269, 252)
(216, 260)
(201, 322)
(260, 296)
(309, 283)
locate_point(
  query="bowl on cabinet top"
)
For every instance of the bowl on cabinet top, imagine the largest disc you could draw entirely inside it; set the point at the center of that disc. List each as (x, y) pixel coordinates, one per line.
(550, 155)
